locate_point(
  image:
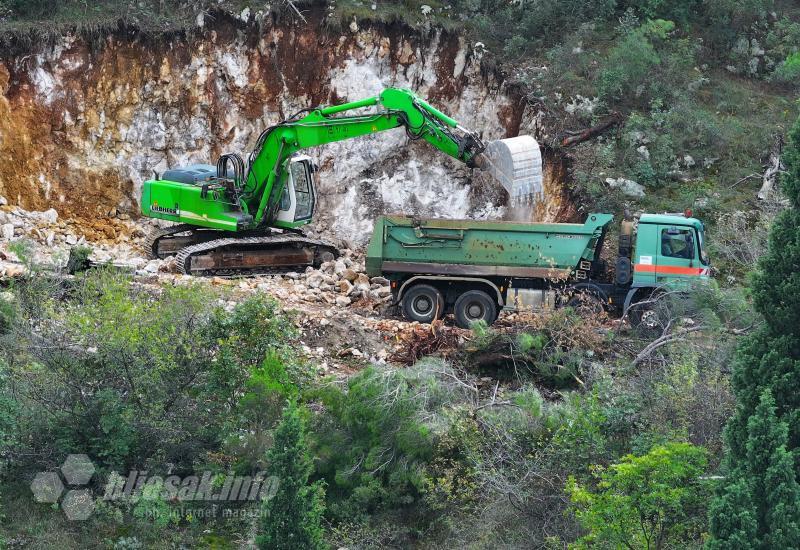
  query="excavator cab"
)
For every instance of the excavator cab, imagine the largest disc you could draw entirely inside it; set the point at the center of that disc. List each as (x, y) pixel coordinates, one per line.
(299, 195)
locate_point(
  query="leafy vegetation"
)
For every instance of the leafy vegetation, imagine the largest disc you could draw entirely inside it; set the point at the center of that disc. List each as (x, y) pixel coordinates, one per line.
(648, 501)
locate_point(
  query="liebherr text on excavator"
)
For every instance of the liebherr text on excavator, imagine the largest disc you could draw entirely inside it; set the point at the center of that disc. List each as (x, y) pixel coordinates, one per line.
(237, 218)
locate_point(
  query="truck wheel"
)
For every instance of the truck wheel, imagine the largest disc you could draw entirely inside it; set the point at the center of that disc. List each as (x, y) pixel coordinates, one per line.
(587, 299)
(649, 317)
(473, 306)
(423, 303)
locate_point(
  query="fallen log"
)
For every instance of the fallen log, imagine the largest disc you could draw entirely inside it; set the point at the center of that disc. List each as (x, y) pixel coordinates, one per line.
(575, 138)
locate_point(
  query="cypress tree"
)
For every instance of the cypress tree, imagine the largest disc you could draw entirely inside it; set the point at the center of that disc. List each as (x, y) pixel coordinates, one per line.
(732, 518)
(765, 429)
(292, 517)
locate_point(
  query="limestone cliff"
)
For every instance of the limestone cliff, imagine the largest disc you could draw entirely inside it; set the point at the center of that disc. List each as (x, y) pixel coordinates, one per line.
(83, 123)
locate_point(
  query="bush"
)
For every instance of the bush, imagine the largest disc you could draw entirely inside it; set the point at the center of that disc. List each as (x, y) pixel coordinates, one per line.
(380, 434)
(292, 517)
(649, 501)
(131, 377)
(788, 72)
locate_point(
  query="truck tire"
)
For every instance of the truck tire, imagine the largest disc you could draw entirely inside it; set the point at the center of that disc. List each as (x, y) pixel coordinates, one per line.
(586, 298)
(650, 316)
(423, 303)
(474, 306)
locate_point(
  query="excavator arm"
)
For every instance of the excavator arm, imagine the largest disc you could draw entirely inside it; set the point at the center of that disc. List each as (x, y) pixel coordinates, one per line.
(266, 176)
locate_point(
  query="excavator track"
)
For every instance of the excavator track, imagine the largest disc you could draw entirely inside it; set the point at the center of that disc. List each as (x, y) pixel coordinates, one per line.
(253, 255)
(163, 242)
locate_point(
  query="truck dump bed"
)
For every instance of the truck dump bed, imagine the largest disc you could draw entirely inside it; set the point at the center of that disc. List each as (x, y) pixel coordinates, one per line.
(482, 248)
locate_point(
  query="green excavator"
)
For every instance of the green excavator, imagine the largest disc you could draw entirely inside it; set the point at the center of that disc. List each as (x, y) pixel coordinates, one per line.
(235, 219)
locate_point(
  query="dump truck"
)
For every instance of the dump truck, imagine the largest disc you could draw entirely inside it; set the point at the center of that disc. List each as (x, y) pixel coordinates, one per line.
(474, 269)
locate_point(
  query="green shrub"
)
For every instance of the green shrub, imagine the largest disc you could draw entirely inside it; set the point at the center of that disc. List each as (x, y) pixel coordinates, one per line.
(380, 433)
(649, 501)
(788, 72)
(127, 376)
(292, 516)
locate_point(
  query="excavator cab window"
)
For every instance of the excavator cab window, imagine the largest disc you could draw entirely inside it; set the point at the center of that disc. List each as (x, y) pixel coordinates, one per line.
(303, 189)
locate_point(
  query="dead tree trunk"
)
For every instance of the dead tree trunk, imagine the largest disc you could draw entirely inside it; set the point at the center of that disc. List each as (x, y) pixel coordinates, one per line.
(774, 167)
(574, 138)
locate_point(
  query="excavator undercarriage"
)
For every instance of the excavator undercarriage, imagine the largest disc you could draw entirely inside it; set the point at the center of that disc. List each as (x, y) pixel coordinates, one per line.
(208, 252)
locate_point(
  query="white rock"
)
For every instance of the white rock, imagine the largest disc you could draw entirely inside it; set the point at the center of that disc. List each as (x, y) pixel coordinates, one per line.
(50, 216)
(3, 201)
(315, 279)
(382, 281)
(152, 266)
(71, 239)
(629, 187)
(343, 301)
(644, 152)
(327, 267)
(384, 291)
(7, 231)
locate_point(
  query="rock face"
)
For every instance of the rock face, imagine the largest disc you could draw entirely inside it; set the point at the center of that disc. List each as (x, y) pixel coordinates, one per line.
(83, 125)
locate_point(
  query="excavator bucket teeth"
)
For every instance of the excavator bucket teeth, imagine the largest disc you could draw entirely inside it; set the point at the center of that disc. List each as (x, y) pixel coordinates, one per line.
(517, 164)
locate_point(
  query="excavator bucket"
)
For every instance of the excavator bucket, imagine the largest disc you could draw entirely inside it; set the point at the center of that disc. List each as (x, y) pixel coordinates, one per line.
(517, 164)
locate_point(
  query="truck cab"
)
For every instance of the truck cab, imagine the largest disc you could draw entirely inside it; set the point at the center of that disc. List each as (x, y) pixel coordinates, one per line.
(670, 250)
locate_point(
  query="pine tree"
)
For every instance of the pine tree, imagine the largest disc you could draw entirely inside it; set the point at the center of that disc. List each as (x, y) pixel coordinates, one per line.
(292, 517)
(765, 429)
(732, 519)
(766, 469)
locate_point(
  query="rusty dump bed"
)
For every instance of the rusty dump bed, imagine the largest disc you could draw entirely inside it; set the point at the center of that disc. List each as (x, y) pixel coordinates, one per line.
(482, 248)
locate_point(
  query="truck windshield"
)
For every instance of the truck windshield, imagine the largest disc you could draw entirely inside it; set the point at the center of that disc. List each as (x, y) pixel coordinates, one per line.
(701, 243)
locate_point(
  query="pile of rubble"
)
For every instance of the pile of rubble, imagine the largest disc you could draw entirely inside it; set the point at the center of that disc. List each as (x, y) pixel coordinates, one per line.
(48, 238)
(341, 282)
(345, 279)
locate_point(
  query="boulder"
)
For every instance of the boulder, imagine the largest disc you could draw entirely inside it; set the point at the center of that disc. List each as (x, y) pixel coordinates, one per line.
(382, 281)
(315, 279)
(629, 187)
(7, 231)
(50, 216)
(343, 301)
(344, 286)
(362, 283)
(349, 275)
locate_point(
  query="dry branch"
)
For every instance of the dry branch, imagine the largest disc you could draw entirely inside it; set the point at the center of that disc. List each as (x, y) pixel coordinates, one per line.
(774, 168)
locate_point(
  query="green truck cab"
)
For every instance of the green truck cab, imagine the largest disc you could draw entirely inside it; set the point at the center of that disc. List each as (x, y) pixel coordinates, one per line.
(474, 269)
